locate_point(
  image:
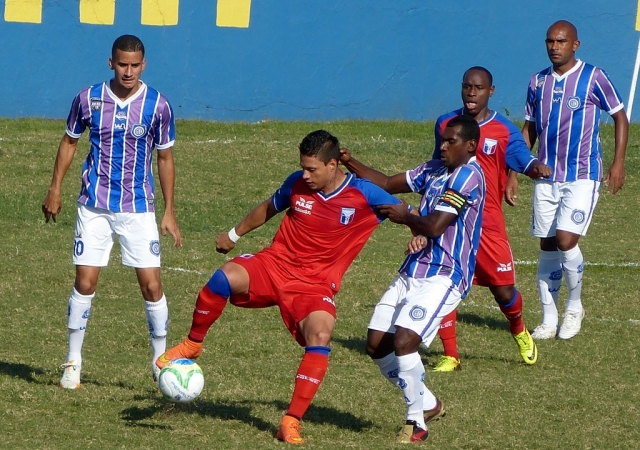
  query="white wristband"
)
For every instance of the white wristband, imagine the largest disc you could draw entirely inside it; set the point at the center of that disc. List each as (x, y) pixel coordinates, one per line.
(233, 235)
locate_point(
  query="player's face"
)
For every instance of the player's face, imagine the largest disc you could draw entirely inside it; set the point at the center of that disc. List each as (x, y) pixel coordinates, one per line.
(454, 151)
(316, 174)
(562, 44)
(127, 67)
(476, 90)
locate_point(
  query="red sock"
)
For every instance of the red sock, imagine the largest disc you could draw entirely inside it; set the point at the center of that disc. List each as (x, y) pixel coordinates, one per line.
(209, 307)
(513, 313)
(447, 333)
(310, 374)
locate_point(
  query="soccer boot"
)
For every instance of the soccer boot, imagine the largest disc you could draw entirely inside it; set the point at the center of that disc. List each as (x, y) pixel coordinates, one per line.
(155, 371)
(571, 324)
(186, 349)
(447, 364)
(527, 347)
(543, 331)
(289, 431)
(411, 433)
(71, 375)
(435, 413)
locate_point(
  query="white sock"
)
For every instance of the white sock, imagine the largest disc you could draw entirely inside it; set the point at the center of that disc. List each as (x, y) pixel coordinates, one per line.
(388, 366)
(411, 376)
(77, 318)
(572, 267)
(157, 317)
(549, 282)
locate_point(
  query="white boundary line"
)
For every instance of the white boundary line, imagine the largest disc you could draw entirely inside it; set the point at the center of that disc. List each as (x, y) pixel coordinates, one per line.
(626, 264)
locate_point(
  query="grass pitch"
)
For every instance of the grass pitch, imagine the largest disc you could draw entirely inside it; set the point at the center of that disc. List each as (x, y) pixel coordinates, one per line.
(582, 393)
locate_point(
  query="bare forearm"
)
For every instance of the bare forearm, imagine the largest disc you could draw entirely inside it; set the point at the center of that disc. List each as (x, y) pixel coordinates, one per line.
(621, 137)
(66, 152)
(167, 174)
(257, 217)
(362, 171)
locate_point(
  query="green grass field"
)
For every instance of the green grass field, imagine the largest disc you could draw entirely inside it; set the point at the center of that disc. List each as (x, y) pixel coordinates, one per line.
(582, 393)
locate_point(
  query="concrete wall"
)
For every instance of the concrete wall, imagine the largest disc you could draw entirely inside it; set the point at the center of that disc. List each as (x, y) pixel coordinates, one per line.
(237, 60)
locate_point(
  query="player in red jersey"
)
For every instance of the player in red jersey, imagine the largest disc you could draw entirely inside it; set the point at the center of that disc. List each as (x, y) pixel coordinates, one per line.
(330, 216)
(501, 148)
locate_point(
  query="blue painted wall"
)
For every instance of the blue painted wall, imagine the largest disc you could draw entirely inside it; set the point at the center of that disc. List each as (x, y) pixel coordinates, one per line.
(312, 59)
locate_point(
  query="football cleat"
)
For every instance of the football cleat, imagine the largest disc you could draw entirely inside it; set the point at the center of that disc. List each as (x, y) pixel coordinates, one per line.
(435, 413)
(543, 331)
(289, 431)
(527, 347)
(571, 324)
(71, 375)
(186, 349)
(411, 433)
(447, 364)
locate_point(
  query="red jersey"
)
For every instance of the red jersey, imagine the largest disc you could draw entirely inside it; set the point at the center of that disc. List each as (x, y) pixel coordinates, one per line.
(321, 234)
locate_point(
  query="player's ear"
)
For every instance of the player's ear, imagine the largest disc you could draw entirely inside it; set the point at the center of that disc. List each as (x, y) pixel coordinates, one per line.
(491, 91)
(576, 45)
(111, 63)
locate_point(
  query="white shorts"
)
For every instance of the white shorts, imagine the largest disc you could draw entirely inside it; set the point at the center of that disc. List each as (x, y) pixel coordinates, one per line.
(418, 304)
(96, 230)
(563, 206)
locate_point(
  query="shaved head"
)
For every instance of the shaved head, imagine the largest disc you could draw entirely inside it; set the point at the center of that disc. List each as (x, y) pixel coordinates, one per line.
(571, 32)
(562, 43)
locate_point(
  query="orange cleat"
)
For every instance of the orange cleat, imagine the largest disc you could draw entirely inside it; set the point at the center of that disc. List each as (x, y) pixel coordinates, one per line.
(186, 349)
(289, 431)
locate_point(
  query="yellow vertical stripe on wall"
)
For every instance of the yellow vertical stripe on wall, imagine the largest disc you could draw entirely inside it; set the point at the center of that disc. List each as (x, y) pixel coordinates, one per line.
(638, 17)
(234, 13)
(29, 11)
(160, 12)
(97, 12)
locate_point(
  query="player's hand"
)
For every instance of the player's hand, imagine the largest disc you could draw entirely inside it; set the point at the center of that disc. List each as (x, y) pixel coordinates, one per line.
(395, 213)
(511, 190)
(416, 244)
(345, 155)
(539, 170)
(615, 178)
(224, 244)
(169, 224)
(51, 206)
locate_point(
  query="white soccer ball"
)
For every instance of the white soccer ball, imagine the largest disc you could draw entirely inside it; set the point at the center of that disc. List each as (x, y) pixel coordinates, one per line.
(181, 380)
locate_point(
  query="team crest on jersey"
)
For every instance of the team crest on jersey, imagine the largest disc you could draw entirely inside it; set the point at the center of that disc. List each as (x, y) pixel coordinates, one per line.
(347, 215)
(138, 130)
(96, 103)
(574, 103)
(578, 216)
(490, 146)
(304, 206)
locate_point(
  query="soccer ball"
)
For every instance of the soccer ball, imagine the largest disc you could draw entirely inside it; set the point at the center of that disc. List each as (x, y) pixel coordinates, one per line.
(181, 380)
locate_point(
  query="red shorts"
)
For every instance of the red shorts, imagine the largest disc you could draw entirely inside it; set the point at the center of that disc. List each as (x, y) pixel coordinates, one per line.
(494, 263)
(273, 283)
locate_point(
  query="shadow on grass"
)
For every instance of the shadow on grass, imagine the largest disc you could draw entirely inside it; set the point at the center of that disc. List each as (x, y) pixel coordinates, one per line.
(242, 411)
(24, 371)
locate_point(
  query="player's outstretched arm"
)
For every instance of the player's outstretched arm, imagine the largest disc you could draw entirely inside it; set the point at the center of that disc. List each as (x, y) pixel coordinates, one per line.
(167, 175)
(52, 204)
(616, 174)
(431, 225)
(394, 184)
(258, 216)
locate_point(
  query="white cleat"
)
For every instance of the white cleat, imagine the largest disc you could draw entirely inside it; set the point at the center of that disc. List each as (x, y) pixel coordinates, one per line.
(71, 375)
(543, 331)
(571, 324)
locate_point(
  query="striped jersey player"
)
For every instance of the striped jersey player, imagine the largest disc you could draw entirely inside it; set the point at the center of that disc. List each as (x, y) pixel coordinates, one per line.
(562, 113)
(438, 270)
(117, 173)
(127, 121)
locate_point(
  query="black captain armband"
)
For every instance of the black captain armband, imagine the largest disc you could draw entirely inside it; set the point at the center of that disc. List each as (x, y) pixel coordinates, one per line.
(454, 199)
